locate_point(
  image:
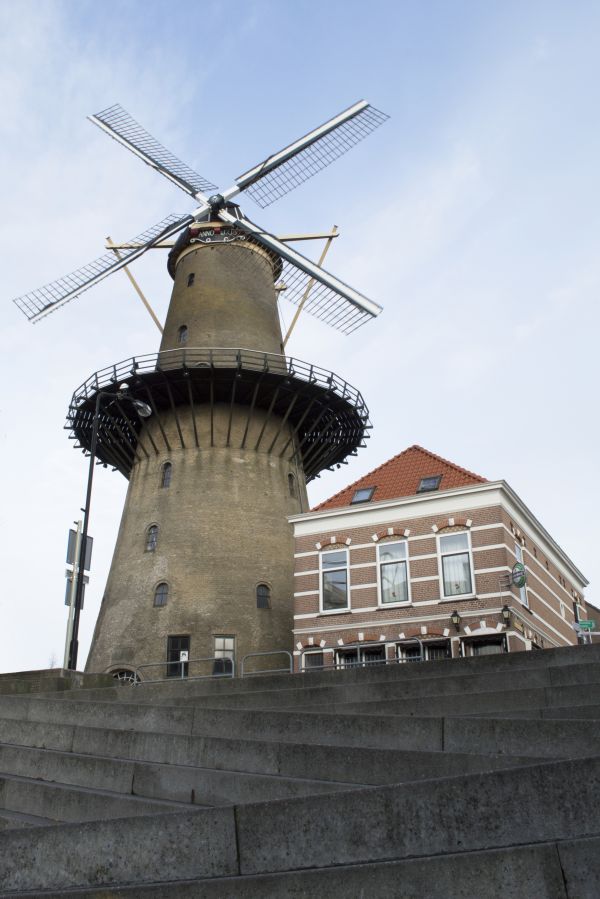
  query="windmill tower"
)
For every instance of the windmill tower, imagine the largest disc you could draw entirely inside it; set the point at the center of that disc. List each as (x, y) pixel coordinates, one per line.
(235, 428)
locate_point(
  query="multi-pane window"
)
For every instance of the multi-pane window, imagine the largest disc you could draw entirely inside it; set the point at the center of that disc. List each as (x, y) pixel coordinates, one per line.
(161, 594)
(313, 660)
(178, 651)
(427, 484)
(523, 589)
(411, 652)
(334, 580)
(165, 474)
(263, 596)
(362, 495)
(456, 564)
(151, 538)
(224, 653)
(393, 572)
(360, 655)
(488, 647)
(182, 334)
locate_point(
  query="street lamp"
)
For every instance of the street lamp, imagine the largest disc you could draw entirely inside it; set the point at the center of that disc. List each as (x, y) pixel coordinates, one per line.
(455, 619)
(144, 411)
(505, 615)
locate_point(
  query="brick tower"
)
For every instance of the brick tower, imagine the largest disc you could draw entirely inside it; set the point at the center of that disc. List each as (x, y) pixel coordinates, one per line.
(204, 550)
(234, 430)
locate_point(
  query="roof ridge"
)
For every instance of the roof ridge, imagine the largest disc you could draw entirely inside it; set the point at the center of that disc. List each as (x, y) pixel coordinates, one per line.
(471, 474)
(373, 472)
(368, 474)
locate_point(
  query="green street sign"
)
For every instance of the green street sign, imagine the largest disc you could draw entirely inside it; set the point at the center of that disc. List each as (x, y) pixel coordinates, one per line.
(587, 625)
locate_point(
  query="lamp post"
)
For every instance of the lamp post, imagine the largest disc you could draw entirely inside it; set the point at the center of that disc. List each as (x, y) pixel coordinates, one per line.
(144, 411)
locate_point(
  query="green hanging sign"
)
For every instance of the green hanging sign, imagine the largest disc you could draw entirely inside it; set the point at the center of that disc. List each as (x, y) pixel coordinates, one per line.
(518, 574)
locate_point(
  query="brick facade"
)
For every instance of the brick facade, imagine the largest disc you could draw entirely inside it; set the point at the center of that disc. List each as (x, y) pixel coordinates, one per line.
(494, 615)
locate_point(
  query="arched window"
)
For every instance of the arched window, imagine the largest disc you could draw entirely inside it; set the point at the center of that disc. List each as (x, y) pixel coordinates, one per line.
(161, 594)
(151, 538)
(191, 278)
(125, 676)
(182, 334)
(292, 485)
(263, 596)
(165, 474)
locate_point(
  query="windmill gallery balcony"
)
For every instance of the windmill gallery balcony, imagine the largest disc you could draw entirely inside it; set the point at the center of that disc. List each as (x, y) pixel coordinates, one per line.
(322, 419)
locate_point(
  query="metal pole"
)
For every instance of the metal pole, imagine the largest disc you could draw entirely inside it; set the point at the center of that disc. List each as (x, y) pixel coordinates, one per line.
(309, 286)
(81, 560)
(136, 286)
(72, 596)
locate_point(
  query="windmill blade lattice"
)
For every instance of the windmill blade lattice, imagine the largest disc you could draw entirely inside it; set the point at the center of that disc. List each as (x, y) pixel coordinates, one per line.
(286, 170)
(117, 122)
(323, 295)
(43, 300)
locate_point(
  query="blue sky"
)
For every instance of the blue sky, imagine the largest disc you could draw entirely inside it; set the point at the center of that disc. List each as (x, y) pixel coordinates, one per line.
(472, 216)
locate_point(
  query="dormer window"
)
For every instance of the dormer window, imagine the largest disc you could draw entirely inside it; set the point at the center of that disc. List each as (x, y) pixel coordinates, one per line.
(430, 483)
(362, 495)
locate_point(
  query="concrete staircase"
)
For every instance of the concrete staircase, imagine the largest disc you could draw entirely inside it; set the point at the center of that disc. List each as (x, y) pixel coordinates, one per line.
(460, 778)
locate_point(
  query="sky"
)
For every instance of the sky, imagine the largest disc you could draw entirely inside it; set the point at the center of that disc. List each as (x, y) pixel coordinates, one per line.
(472, 216)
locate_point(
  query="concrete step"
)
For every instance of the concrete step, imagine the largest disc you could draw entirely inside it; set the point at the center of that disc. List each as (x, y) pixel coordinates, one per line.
(13, 820)
(496, 810)
(197, 785)
(58, 802)
(280, 759)
(588, 675)
(535, 702)
(558, 870)
(524, 661)
(549, 738)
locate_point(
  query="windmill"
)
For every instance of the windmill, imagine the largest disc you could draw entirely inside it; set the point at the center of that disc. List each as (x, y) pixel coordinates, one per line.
(234, 428)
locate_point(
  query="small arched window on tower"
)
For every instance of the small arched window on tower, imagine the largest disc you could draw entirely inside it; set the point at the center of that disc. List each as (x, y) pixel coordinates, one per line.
(263, 596)
(191, 278)
(165, 474)
(151, 538)
(161, 594)
(292, 485)
(182, 334)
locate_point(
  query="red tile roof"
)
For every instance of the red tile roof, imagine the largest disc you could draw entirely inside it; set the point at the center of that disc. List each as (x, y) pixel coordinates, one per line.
(401, 476)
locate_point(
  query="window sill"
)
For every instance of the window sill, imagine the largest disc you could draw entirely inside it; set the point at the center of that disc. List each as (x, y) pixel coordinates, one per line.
(333, 612)
(394, 605)
(460, 597)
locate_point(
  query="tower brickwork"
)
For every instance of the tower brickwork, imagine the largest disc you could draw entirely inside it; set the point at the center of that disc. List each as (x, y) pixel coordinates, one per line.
(207, 552)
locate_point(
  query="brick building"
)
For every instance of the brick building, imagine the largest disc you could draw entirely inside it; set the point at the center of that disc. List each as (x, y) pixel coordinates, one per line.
(421, 558)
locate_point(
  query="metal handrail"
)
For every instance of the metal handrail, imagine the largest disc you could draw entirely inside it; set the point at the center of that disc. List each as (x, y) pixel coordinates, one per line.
(270, 652)
(420, 642)
(221, 357)
(184, 676)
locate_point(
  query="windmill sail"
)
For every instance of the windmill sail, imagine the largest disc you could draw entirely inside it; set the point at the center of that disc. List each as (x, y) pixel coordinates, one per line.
(117, 122)
(284, 171)
(323, 295)
(44, 300)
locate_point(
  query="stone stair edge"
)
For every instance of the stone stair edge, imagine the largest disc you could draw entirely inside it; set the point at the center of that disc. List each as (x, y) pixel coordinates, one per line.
(294, 846)
(552, 658)
(183, 703)
(559, 860)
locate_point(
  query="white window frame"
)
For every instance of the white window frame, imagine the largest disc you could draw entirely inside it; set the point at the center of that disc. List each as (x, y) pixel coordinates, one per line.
(520, 557)
(313, 652)
(426, 644)
(360, 651)
(322, 570)
(455, 596)
(405, 602)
